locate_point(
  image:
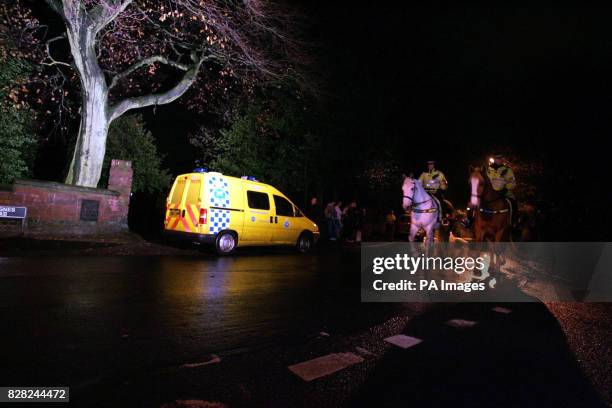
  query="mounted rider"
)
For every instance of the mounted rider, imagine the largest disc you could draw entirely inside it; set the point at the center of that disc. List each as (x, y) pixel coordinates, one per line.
(435, 183)
(503, 180)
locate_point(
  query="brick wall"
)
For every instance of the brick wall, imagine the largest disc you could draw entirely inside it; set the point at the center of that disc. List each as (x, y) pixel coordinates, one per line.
(65, 209)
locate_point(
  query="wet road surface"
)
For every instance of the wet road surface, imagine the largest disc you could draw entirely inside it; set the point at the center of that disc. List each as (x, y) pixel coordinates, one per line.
(137, 331)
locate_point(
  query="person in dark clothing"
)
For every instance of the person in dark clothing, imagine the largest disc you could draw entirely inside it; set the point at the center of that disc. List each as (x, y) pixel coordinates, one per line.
(351, 219)
(314, 210)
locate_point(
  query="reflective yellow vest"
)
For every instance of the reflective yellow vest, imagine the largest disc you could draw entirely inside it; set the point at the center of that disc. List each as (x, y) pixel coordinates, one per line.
(433, 181)
(502, 177)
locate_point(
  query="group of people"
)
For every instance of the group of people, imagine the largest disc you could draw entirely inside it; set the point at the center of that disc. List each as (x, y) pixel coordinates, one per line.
(347, 222)
(499, 172)
(340, 222)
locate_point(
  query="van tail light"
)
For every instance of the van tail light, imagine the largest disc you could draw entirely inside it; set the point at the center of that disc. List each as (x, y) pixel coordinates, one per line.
(203, 216)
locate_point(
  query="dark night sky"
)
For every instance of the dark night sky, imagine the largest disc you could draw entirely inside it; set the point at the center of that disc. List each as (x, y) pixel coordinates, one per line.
(453, 82)
(469, 74)
(442, 81)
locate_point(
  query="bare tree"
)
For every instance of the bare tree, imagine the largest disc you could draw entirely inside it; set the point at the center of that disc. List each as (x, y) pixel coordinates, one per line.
(169, 43)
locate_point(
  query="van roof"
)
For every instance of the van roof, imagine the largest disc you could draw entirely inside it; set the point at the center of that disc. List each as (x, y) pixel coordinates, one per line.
(244, 181)
(215, 173)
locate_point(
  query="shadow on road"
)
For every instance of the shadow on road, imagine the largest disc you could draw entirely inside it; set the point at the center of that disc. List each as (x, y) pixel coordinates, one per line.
(505, 360)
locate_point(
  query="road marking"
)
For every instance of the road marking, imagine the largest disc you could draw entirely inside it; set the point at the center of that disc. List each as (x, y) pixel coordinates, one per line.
(214, 359)
(461, 323)
(324, 365)
(403, 341)
(503, 310)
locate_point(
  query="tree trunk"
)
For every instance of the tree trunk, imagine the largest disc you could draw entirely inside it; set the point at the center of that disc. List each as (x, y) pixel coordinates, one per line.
(86, 166)
(96, 114)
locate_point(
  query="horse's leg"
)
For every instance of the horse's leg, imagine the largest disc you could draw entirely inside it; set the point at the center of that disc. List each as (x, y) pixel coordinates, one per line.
(496, 257)
(445, 230)
(506, 234)
(435, 231)
(413, 232)
(478, 233)
(486, 251)
(429, 232)
(502, 236)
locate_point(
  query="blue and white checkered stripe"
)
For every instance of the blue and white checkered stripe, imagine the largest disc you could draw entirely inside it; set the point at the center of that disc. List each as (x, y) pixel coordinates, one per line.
(218, 192)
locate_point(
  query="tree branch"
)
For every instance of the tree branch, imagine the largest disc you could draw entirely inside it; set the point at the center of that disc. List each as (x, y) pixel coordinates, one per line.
(56, 6)
(107, 11)
(52, 60)
(147, 62)
(157, 99)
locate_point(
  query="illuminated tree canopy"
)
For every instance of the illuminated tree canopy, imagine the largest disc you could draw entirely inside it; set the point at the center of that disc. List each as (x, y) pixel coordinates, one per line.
(131, 54)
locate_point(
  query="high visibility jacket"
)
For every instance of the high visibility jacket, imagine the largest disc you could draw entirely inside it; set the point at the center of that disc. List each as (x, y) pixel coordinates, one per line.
(502, 177)
(433, 181)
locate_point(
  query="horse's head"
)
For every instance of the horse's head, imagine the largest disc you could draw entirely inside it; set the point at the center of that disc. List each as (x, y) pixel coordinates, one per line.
(410, 190)
(413, 191)
(477, 184)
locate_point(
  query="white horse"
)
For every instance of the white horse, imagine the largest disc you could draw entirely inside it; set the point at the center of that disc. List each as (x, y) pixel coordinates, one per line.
(425, 211)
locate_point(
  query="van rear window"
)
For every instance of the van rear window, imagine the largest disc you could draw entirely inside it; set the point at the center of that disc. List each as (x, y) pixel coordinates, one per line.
(257, 200)
(193, 192)
(179, 187)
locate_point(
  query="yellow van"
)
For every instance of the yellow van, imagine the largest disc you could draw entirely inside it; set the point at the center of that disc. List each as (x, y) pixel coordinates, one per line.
(230, 212)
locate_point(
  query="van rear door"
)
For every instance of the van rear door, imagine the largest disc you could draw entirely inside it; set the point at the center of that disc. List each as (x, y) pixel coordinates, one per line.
(183, 208)
(192, 204)
(173, 210)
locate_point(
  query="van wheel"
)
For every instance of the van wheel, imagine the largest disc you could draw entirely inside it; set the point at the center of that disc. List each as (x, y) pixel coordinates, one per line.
(225, 243)
(304, 243)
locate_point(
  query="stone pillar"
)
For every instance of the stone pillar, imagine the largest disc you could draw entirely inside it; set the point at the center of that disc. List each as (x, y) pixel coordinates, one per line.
(120, 180)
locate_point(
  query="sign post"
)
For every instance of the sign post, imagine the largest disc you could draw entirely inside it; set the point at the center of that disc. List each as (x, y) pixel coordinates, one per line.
(14, 213)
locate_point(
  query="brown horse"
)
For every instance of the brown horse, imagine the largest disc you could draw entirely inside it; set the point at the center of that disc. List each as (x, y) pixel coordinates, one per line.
(492, 216)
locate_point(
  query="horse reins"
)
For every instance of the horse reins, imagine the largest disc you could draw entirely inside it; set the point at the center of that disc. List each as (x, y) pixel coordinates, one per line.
(488, 210)
(414, 205)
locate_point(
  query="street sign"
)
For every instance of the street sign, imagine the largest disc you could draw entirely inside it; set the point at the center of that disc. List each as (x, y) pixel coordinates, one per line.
(13, 212)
